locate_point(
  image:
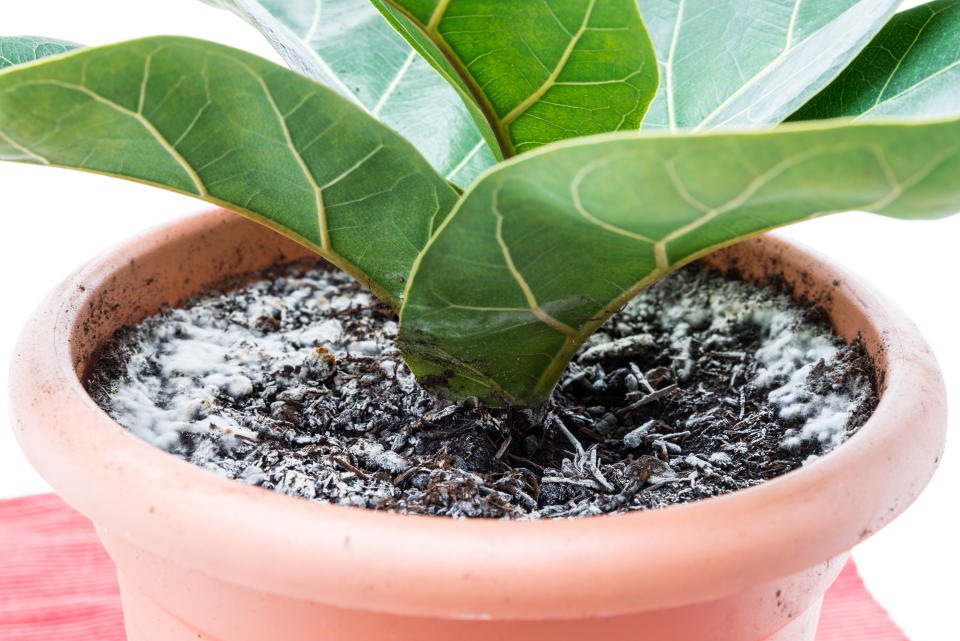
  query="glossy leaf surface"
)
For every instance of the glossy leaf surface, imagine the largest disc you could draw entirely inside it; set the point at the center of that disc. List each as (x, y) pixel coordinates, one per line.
(235, 130)
(16, 50)
(545, 248)
(350, 47)
(737, 63)
(911, 68)
(540, 70)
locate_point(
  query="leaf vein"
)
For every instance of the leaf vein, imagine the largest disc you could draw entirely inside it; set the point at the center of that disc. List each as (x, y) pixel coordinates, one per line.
(544, 317)
(558, 69)
(298, 156)
(146, 124)
(404, 68)
(23, 149)
(578, 205)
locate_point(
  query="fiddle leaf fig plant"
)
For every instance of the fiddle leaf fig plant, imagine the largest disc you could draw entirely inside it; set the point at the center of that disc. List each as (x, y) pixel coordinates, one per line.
(15, 51)
(238, 131)
(538, 71)
(348, 46)
(541, 252)
(912, 68)
(611, 156)
(737, 63)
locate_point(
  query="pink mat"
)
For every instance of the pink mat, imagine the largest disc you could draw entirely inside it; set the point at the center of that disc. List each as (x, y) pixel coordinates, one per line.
(57, 583)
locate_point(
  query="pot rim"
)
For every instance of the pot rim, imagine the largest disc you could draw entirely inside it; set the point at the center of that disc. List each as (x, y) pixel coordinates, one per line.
(476, 568)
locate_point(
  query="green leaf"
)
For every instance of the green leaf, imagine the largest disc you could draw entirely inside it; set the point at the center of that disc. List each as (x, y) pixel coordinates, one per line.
(911, 68)
(348, 46)
(539, 70)
(736, 63)
(235, 130)
(545, 248)
(16, 50)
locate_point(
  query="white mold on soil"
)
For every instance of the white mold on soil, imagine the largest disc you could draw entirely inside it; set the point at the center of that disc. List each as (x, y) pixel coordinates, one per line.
(790, 349)
(789, 353)
(700, 386)
(194, 357)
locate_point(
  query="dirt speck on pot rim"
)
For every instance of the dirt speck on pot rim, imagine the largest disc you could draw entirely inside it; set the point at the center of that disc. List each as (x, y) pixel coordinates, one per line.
(702, 385)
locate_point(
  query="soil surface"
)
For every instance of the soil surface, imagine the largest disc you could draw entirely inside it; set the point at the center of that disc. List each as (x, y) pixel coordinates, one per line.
(702, 385)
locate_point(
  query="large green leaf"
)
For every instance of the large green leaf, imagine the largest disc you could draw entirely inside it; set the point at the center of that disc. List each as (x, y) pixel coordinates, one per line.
(543, 249)
(911, 68)
(16, 50)
(736, 63)
(350, 47)
(540, 70)
(236, 130)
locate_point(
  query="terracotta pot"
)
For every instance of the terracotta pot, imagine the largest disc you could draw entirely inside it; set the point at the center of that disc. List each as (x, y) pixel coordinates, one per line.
(202, 557)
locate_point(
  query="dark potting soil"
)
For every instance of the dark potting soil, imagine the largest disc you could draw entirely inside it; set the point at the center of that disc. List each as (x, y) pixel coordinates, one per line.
(702, 385)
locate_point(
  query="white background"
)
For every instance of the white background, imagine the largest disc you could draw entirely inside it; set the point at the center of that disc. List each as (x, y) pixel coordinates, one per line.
(54, 220)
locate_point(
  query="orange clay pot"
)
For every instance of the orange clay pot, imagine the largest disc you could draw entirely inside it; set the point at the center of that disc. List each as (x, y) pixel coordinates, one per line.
(202, 557)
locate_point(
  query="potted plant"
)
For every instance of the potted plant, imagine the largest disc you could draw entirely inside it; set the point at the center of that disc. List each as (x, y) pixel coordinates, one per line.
(536, 172)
